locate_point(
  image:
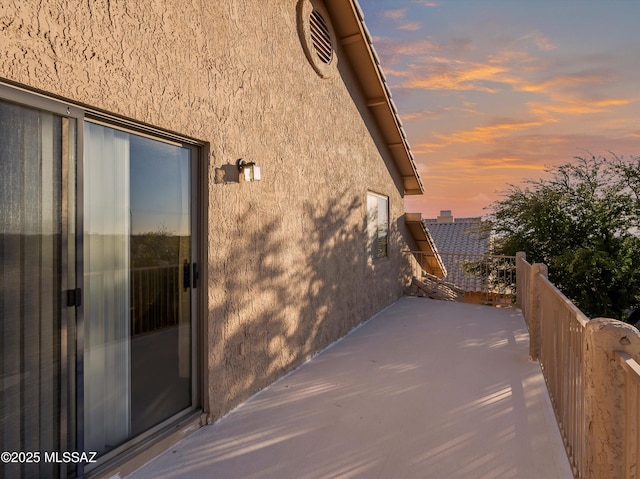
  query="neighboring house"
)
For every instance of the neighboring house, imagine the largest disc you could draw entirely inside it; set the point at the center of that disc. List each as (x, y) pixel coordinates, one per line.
(460, 242)
(195, 197)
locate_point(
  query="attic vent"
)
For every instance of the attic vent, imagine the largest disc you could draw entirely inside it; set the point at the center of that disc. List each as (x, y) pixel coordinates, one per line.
(320, 37)
(317, 37)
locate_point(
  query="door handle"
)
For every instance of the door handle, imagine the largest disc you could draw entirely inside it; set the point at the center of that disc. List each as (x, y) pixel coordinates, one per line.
(187, 270)
(74, 297)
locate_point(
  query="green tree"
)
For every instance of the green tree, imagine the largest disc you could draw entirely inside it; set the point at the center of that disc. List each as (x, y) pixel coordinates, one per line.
(582, 222)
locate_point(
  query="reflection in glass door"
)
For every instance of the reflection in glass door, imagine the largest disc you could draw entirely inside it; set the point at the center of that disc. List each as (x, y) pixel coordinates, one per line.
(36, 244)
(160, 273)
(138, 276)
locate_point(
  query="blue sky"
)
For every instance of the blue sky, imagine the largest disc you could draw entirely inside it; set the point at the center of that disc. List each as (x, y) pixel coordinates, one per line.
(491, 92)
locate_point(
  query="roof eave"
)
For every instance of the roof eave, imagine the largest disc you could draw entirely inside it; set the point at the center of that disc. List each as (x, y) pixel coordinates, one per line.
(425, 243)
(348, 23)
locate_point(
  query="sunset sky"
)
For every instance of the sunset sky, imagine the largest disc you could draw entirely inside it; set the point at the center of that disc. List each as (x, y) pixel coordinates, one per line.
(492, 91)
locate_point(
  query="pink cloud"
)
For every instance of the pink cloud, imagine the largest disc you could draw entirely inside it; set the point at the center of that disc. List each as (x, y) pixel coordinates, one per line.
(397, 14)
(411, 26)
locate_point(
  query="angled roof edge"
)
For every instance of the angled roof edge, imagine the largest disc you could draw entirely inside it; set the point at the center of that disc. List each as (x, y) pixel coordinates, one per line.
(348, 23)
(424, 240)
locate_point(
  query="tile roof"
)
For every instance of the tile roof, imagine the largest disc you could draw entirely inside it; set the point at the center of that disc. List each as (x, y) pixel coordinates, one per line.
(458, 240)
(460, 236)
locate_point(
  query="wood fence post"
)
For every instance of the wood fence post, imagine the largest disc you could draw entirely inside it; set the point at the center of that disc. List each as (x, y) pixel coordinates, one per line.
(520, 256)
(605, 397)
(534, 312)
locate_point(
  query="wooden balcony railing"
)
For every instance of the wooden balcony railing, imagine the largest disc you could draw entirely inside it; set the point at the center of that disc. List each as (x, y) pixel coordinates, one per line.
(592, 376)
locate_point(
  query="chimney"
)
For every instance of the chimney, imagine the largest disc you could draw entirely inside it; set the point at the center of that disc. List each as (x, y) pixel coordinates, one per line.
(445, 216)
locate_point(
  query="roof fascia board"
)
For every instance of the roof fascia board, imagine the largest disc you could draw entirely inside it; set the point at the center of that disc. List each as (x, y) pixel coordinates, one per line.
(425, 241)
(348, 22)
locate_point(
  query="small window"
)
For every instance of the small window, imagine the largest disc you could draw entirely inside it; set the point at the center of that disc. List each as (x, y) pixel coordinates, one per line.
(378, 225)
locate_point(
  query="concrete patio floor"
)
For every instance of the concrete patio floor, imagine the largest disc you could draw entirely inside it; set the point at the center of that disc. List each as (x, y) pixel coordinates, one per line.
(425, 389)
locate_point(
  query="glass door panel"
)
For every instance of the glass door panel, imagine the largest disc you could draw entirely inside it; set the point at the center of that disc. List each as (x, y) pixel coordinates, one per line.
(138, 259)
(34, 146)
(160, 288)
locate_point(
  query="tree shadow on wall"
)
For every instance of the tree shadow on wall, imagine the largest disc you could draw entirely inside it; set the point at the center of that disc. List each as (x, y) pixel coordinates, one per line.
(279, 301)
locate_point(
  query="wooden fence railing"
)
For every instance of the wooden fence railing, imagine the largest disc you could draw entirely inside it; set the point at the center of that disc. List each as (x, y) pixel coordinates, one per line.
(592, 375)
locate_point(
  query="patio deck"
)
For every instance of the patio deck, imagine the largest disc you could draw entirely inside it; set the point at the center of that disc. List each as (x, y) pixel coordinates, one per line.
(425, 389)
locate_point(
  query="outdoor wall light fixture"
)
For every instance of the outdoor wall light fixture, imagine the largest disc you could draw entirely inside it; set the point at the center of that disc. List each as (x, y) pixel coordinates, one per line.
(250, 169)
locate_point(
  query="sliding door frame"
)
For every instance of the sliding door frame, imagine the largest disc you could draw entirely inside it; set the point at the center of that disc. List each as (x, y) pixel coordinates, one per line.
(72, 272)
(199, 202)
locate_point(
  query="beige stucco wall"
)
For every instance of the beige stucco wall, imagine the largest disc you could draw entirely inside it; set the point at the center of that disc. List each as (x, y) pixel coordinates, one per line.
(288, 270)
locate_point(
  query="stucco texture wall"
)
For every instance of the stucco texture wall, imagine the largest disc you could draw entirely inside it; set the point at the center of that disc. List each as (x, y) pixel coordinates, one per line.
(288, 267)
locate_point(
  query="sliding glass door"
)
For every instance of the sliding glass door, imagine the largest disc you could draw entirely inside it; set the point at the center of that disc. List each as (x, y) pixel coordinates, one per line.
(97, 284)
(138, 274)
